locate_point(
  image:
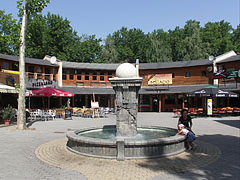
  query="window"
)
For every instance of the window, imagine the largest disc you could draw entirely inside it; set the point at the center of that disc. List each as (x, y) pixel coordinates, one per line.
(39, 73)
(54, 74)
(187, 74)
(109, 74)
(94, 77)
(5, 65)
(173, 75)
(47, 73)
(71, 74)
(79, 75)
(204, 73)
(15, 67)
(87, 76)
(101, 76)
(30, 71)
(64, 75)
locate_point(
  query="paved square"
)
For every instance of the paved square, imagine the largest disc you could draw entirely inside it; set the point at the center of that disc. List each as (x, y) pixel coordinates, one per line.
(217, 155)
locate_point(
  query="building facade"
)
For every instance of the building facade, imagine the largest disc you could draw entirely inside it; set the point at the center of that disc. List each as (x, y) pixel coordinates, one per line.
(164, 86)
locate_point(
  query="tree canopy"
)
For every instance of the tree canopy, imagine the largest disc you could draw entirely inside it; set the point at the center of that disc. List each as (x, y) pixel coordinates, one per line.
(53, 35)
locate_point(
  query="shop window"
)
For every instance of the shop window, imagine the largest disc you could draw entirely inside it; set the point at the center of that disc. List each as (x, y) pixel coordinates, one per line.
(204, 73)
(170, 99)
(187, 74)
(47, 73)
(86, 76)
(173, 75)
(71, 74)
(64, 74)
(101, 76)
(30, 71)
(94, 76)
(79, 75)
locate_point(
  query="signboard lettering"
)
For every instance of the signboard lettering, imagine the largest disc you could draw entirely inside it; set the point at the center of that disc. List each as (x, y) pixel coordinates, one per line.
(225, 74)
(159, 79)
(40, 83)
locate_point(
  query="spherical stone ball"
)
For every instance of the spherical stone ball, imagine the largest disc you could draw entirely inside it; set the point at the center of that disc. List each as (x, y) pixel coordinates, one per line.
(126, 70)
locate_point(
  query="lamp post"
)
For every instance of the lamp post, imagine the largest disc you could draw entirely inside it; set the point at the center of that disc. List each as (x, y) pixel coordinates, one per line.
(213, 59)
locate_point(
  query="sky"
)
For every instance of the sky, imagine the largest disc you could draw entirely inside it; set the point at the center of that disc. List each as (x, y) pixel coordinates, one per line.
(103, 17)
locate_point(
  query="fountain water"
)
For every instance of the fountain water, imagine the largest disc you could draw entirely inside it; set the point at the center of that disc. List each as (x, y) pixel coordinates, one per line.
(125, 140)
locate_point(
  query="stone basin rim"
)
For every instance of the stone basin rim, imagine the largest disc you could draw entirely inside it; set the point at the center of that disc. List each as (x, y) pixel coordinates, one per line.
(72, 135)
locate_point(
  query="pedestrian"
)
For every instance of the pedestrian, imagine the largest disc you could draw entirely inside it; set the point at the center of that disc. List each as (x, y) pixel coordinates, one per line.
(190, 135)
(185, 119)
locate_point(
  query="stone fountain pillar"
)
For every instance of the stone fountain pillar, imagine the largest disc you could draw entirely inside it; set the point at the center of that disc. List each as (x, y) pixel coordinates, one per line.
(126, 86)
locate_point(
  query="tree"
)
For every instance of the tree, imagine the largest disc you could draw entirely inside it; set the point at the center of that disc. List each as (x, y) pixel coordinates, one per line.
(26, 8)
(36, 43)
(193, 45)
(159, 49)
(9, 33)
(176, 37)
(89, 49)
(109, 53)
(130, 45)
(235, 39)
(217, 36)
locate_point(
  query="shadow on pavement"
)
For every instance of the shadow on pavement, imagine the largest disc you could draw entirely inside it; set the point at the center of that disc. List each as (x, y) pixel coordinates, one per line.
(233, 123)
(226, 165)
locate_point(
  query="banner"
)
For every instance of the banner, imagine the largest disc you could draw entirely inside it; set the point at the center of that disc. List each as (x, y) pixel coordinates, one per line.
(209, 106)
(159, 79)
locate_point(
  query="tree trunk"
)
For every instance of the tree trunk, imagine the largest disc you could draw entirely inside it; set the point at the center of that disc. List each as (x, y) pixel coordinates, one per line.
(21, 118)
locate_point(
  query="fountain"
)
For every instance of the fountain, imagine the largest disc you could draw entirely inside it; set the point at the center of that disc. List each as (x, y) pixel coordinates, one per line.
(126, 140)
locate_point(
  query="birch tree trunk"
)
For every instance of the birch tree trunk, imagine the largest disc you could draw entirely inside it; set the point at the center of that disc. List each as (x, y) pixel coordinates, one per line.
(21, 116)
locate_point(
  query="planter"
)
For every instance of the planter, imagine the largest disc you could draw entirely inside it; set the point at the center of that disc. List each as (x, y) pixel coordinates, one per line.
(6, 122)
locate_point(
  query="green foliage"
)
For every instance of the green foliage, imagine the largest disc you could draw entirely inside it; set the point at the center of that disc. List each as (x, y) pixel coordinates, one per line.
(9, 34)
(32, 6)
(8, 113)
(53, 35)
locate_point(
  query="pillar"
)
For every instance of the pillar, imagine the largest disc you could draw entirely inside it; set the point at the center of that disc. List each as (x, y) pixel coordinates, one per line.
(159, 103)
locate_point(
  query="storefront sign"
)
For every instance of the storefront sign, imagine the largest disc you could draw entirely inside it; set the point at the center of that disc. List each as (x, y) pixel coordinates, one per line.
(225, 75)
(209, 106)
(39, 83)
(159, 79)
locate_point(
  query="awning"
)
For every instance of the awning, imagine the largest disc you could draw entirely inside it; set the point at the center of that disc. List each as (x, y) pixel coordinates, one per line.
(50, 91)
(7, 89)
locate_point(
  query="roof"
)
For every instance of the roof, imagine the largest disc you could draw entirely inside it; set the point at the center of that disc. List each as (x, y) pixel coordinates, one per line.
(149, 89)
(27, 60)
(96, 66)
(232, 58)
(113, 67)
(88, 90)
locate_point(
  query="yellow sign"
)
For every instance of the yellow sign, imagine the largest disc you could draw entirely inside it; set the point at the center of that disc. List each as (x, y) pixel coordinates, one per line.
(10, 71)
(159, 79)
(209, 106)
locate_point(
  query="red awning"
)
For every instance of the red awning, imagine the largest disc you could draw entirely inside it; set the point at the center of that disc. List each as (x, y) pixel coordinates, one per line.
(50, 91)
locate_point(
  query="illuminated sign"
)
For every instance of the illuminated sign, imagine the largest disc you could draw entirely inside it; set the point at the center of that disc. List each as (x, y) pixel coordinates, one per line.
(159, 79)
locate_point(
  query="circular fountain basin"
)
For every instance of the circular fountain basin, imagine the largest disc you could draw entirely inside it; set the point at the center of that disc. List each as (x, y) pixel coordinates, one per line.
(148, 143)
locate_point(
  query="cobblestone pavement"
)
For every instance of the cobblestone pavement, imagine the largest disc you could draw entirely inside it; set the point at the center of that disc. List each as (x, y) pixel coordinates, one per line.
(40, 153)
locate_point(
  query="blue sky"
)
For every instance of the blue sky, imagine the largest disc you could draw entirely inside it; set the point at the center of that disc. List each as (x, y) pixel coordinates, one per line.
(103, 17)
